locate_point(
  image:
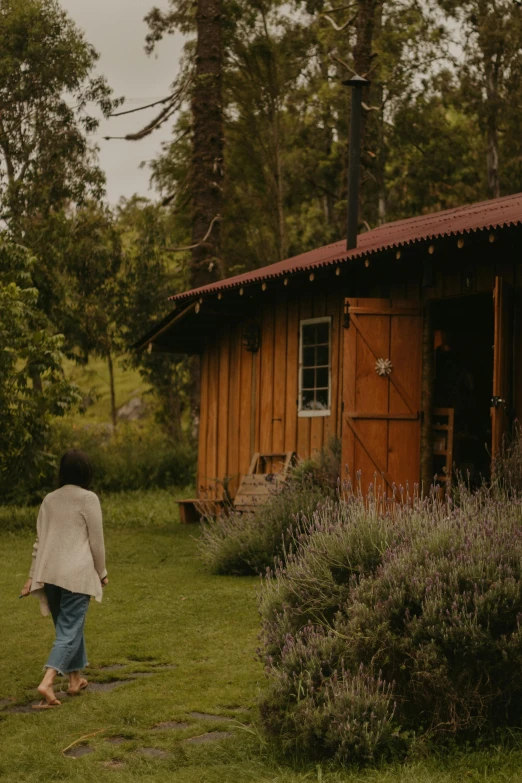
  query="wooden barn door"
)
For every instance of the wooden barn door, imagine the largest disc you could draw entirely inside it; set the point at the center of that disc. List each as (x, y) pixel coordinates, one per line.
(502, 401)
(382, 391)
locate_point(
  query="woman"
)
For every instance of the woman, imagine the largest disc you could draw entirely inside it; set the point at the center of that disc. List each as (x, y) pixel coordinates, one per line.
(68, 569)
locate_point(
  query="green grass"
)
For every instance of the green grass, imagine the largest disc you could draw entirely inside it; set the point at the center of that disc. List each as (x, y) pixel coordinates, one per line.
(93, 378)
(162, 607)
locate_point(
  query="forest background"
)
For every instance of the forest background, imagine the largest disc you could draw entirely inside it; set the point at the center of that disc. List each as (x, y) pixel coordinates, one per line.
(255, 172)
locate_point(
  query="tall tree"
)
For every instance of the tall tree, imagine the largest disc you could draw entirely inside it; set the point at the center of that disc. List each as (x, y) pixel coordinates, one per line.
(47, 166)
(491, 39)
(204, 18)
(26, 343)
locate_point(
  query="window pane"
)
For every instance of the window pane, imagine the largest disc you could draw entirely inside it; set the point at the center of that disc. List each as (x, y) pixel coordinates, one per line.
(308, 379)
(322, 355)
(322, 378)
(321, 399)
(309, 334)
(309, 357)
(307, 400)
(322, 333)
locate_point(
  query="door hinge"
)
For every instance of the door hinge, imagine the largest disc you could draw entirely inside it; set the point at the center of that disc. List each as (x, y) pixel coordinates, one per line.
(346, 322)
(498, 402)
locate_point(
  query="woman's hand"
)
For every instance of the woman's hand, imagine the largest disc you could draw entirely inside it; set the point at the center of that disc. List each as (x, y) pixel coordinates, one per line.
(105, 581)
(26, 589)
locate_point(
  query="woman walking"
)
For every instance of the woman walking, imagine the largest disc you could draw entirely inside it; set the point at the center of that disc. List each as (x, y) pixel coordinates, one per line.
(68, 569)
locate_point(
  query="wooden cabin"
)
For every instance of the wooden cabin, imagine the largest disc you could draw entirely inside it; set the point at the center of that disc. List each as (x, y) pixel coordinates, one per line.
(407, 348)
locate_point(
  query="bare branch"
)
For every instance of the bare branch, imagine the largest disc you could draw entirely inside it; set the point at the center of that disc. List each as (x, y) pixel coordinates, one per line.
(141, 108)
(371, 108)
(174, 103)
(198, 244)
(341, 27)
(342, 62)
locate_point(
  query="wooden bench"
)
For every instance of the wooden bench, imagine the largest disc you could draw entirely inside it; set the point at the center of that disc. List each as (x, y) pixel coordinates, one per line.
(254, 489)
(194, 509)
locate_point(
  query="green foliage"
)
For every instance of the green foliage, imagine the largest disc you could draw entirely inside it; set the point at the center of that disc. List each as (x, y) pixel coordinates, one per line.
(133, 456)
(28, 349)
(428, 600)
(248, 543)
(149, 277)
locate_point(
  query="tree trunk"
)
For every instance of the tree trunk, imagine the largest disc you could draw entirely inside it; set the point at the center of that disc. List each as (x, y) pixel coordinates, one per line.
(112, 390)
(368, 22)
(492, 124)
(207, 154)
(362, 51)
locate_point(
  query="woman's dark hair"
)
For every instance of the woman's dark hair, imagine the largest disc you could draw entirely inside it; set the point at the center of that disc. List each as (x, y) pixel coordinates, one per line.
(75, 468)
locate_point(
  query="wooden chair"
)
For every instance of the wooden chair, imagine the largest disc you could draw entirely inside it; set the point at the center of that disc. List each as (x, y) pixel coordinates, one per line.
(255, 488)
(259, 484)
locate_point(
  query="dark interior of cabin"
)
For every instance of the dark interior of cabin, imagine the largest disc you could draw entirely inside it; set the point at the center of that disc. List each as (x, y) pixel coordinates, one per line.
(463, 381)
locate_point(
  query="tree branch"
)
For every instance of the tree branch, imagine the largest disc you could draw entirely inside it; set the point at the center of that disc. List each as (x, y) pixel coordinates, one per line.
(341, 27)
(141, 108)
(198, 244)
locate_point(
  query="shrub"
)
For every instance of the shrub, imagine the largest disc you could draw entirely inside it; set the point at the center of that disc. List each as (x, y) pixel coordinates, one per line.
(135, 456)
(429, 601)
(242, 544)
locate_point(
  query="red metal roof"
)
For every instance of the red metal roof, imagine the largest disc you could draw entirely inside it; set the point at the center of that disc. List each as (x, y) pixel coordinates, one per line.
(496, 213)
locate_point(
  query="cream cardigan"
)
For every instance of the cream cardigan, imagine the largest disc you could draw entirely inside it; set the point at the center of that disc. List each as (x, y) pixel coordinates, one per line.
(69, 550)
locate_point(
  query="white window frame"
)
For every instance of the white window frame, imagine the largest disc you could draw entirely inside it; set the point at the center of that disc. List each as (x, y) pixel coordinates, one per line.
(305, 413)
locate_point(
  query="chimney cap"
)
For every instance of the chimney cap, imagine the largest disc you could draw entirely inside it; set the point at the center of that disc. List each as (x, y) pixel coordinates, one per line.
(356, 81)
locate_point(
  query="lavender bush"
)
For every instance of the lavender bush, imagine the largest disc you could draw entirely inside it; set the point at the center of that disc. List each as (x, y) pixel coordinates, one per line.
(243, 544)
(428, 599)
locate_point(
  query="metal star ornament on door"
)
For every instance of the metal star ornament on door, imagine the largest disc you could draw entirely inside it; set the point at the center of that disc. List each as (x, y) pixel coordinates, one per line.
(383, 367)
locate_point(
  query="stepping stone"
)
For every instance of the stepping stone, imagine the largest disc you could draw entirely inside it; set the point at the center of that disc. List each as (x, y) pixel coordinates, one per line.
(78, 751)
(206, 716)
(114, 764)
(4, 703)
(156, 753)
(103, 687)
(116, 740)
(170, 724)
(143, 674)
(26, 708)
(112, 668)
(212, 736)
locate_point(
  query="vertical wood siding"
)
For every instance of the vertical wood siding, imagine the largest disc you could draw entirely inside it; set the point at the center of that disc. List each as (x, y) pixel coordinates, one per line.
(237, 420)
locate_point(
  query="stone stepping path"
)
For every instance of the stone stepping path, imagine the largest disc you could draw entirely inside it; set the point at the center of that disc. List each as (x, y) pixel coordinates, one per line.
(209, 717)
(156, 753)
(78, 751)
(170, 724)
(211, 736)
(94, 687)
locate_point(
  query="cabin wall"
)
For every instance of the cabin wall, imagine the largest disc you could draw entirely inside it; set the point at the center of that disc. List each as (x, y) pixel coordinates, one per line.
(249, 400)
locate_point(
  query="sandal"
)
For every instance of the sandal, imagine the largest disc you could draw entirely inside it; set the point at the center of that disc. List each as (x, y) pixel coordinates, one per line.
(76, 691)
(47, 705)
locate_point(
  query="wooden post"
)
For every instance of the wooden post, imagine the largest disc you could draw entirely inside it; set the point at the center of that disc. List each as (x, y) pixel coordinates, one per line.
(426, 444)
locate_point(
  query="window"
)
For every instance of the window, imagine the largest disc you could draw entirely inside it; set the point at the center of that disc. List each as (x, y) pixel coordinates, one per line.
(314, 367)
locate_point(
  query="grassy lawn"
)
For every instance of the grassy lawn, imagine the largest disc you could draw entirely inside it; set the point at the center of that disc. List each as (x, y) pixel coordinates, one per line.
(163, 610)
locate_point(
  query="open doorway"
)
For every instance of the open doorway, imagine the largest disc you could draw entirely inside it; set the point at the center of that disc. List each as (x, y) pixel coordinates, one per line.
(463, 381)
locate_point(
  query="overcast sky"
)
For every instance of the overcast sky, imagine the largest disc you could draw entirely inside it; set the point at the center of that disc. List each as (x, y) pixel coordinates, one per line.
(116, 29)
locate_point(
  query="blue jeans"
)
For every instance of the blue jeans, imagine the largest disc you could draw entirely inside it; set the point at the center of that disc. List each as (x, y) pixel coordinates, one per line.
(68, 611)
